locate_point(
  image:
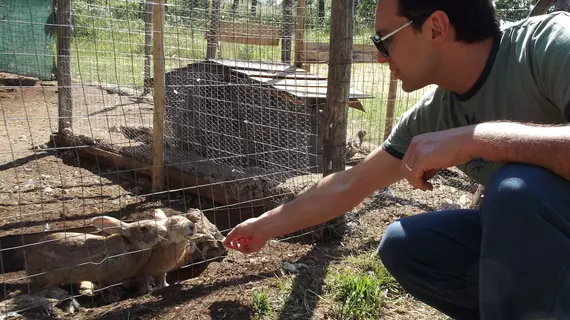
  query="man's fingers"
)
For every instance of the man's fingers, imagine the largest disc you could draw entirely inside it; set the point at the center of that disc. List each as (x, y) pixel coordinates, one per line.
(231, 236)
(430, 174)
(418, 176)
(242, 247)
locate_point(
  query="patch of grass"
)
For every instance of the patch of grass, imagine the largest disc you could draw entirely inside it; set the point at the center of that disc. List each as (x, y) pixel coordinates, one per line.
(261, 305)
(359, 287)
(109, 42)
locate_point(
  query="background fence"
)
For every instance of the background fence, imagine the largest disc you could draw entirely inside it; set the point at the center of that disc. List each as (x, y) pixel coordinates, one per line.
(185, 105)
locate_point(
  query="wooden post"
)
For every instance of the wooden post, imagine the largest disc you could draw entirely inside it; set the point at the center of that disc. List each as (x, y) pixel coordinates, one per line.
(65, 111)
(541, 7)
(213, 31)
(287, 31)
(390, 105)
(159, 97)
(148, 9)
(335, 111)
(562, 5)
(300, 33)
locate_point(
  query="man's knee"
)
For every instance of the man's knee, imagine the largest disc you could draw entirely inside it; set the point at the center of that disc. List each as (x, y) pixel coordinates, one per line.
(521, 194)
(518, 185)
(393, 247)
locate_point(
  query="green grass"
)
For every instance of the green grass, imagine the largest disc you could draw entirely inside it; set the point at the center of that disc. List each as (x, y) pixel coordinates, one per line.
(108, 47)
(261, 306)
(358, 285)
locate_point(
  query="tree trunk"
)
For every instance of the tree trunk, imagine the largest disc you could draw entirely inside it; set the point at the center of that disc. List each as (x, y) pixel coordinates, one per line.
(147, 45)
(287, 31)
(213, 32)
(541, 7)
(321, 10)
(562, 5)
(335, 113)
(253, 7)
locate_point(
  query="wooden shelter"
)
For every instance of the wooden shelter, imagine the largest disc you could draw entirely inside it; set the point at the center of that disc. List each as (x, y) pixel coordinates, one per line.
(249, 115)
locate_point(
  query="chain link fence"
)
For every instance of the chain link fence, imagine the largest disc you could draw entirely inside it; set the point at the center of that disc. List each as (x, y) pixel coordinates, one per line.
(241, 130)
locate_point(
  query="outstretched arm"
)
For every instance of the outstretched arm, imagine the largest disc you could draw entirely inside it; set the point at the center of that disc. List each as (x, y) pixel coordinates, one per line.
(334, 195)
(331, 197)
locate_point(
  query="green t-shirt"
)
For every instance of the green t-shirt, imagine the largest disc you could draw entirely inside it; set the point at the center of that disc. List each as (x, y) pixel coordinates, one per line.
(526, 79)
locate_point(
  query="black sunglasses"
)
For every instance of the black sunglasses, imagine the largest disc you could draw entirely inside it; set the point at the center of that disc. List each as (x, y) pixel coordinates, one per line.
(379, 41)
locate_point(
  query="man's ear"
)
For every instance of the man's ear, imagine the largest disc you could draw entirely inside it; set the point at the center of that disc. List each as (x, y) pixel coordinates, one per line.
(438, 26)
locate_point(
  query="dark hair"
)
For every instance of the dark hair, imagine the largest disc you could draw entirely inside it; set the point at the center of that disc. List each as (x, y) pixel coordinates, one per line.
(473, 20)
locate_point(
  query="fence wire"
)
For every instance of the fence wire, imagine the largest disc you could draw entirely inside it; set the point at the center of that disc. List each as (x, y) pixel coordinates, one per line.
(242, 134)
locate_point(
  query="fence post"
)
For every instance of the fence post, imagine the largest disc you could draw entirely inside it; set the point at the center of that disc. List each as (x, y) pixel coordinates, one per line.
(213, 31)
(148, 8)
(300, 33)
(159, 97)
(65, 111)
(335, 113)
(390, 104)
(541, 7)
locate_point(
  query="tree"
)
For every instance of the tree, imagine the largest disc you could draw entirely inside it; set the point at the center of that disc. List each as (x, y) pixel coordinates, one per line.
(513, 10)
(562, 5)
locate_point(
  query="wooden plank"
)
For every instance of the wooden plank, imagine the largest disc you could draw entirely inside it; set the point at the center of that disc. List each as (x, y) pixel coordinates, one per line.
(293, 82)
(324, 46)
(249, 33)
(159, 98)
(65, 111)
(318, 52)
(260, 41)
(275, 67)
(299, 74)
(319, 92)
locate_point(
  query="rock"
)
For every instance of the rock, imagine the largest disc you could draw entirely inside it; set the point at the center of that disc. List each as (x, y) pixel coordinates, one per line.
(208, 245)
(294, 268)
(464, 201)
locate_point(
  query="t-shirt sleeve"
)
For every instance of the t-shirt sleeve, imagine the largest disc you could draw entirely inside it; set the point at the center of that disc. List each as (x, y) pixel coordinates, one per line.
(412, 122)
(399, 139)
(551, 66)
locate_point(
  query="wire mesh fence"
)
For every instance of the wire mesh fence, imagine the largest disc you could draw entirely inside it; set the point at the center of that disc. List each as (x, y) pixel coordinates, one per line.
(241, 133)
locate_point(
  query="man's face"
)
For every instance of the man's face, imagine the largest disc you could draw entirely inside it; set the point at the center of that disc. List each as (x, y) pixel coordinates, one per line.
(410, 55)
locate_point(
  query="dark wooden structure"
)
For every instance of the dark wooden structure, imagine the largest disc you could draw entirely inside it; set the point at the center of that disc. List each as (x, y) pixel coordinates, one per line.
(249, 115)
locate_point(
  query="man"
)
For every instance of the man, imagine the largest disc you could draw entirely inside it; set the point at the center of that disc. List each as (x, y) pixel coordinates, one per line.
(499, 113)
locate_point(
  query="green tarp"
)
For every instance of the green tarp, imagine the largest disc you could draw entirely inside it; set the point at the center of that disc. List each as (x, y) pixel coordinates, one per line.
(27, 38)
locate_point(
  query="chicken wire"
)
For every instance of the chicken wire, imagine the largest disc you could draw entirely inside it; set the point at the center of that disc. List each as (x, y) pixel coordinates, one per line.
(237, 123)
(233, 131)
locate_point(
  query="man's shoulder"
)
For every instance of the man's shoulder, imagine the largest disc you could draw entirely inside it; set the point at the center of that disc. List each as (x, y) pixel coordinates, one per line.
(536, 27)
(434, 97)
(426, 114)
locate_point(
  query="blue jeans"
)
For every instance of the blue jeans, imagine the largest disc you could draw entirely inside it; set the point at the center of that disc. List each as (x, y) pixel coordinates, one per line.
(507, 260)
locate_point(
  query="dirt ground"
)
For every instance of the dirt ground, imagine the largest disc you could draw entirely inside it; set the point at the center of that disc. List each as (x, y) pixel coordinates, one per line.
(45, 190)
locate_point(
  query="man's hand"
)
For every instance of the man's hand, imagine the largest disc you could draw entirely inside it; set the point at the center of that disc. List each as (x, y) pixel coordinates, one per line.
(246, 237)
(430, 152)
